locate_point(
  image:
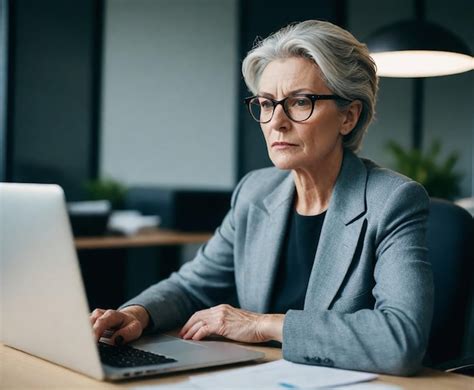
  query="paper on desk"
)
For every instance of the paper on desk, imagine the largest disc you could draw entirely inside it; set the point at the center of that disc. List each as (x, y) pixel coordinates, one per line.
(189, 386)
(169, 386)
(129, 222)
(280, 374)
(369, 386)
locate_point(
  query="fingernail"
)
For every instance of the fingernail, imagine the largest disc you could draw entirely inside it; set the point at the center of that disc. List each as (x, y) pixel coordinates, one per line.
(119, 341)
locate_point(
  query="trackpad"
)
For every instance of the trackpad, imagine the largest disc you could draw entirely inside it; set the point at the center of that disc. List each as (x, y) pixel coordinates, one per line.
(170, 346)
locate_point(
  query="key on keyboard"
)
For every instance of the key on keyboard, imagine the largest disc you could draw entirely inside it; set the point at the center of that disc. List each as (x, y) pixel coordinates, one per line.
(126, 356)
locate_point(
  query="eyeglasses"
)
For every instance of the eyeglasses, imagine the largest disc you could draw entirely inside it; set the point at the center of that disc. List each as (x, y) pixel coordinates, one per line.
(297, 107)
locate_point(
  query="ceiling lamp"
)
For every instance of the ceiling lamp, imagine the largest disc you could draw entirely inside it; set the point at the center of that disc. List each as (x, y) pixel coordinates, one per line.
(417, 48)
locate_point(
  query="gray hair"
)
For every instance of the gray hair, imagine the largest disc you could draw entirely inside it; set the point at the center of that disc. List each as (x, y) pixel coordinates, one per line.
(344, 63)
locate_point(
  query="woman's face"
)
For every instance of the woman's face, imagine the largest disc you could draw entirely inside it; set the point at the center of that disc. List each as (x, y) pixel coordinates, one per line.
(307, 144)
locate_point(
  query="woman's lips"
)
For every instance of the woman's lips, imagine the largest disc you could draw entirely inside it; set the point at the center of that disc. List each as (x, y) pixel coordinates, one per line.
(282, 145)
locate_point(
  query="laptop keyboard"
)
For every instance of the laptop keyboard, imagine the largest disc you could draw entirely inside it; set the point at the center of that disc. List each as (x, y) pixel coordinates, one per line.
(126, 356)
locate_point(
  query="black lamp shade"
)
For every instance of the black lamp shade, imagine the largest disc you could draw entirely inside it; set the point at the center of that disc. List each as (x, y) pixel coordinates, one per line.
(415, 35)
(418, 49)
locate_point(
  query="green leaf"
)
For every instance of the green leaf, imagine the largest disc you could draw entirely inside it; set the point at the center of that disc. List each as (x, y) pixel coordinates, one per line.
(438, 177)
(108, 189)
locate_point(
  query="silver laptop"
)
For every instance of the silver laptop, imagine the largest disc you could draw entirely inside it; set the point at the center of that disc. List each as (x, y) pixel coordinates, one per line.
(44, 306)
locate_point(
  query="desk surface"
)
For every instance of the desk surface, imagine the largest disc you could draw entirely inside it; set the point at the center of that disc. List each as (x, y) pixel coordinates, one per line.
(149, 237)
(20, 370)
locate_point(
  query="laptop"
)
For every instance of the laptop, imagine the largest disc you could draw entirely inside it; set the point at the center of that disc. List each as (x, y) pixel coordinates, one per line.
(44, 306)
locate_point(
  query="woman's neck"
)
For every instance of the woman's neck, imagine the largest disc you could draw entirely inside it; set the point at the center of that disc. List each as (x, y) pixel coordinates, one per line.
(314, 186)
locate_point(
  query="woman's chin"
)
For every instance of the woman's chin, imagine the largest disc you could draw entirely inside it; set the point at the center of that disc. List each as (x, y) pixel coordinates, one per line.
(284, 164)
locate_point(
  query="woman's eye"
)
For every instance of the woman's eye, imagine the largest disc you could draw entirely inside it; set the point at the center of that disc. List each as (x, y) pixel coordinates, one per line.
(266, 104)
(301, 102)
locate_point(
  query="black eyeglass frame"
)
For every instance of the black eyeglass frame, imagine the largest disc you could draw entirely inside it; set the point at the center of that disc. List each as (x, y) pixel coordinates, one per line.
(275, 103)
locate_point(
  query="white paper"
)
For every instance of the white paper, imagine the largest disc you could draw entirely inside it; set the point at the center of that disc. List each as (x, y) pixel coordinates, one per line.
(186, 385)
(369, 386)
(169, 386)
(89, 207)
(280, 375)
(129, 222)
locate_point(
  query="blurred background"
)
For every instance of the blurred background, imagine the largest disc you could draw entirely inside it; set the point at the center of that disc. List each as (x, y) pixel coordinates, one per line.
(107, 96)
(150, 91)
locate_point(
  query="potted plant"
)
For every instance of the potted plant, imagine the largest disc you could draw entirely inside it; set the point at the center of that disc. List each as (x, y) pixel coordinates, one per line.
(438, 177)
(91, 217)
(106, 189)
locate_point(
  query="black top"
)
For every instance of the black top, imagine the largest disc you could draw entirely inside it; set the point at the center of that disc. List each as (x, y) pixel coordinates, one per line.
(296, 262)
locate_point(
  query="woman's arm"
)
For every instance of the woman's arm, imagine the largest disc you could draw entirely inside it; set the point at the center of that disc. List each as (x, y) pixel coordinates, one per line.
(205, 281)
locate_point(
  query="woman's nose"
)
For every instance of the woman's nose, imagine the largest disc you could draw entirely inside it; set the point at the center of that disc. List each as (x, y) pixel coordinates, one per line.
(280, 120)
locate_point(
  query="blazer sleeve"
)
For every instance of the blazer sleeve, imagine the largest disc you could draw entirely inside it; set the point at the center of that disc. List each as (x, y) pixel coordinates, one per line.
(392, 337)
(205, 281)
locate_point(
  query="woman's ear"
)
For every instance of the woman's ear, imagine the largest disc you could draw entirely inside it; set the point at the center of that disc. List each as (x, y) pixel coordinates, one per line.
(351, 116)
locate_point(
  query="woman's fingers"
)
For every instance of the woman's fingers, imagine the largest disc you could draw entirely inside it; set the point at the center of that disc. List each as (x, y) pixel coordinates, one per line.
(110, 319)
(227, 321)
(196, 317)
(130, 332)
(202, 332)
(194, 329)
(209, 320)
(96, 314)
(119, 326)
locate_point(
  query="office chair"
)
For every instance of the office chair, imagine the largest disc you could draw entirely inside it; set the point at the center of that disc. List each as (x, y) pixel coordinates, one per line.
(450, 250)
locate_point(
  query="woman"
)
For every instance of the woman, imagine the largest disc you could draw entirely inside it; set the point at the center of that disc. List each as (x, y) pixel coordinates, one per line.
(324, 253)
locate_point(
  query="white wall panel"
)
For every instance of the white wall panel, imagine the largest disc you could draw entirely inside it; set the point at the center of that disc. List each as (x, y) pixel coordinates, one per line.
(169, 92)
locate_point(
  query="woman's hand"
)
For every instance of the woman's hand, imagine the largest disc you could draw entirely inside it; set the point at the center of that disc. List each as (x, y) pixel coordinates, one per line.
(122, 326)
(234, 324)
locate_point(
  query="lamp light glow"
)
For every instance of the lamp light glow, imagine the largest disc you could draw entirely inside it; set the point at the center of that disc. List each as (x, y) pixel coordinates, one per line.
(421, 63)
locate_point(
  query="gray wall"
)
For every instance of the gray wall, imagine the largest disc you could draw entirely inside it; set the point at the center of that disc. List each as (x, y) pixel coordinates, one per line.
(3, 84)
(3, 70)
(169, 92)
(51, 92)
(448, 113)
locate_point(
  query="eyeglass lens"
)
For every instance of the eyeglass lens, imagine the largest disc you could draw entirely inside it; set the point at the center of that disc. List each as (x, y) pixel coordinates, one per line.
(298, 108)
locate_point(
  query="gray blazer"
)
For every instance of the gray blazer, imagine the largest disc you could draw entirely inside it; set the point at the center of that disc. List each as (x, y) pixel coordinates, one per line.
(369, 300)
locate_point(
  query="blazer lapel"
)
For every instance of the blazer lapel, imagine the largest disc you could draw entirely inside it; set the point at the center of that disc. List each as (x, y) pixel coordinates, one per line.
(267, 235)
(340, 234)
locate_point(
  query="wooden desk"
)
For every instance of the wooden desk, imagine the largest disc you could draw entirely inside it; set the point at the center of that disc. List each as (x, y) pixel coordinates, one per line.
(19, 370)
(149, 237)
